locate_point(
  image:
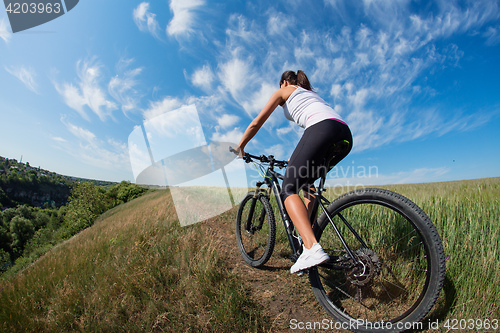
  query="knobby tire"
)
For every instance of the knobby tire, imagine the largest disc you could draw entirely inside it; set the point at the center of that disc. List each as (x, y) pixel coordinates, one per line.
(256, 246)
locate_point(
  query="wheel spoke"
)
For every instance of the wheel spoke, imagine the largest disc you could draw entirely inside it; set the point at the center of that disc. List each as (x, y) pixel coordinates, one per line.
(332, 285)
(399, 254)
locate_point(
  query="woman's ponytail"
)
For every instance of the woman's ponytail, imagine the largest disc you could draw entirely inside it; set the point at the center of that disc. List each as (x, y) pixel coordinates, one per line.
(299, 79)
(303, 81)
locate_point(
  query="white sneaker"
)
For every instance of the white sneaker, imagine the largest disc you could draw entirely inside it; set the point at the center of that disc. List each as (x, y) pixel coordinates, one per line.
(310, 258)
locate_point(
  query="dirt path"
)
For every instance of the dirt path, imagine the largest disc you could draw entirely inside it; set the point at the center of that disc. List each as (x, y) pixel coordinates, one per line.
(287, 299)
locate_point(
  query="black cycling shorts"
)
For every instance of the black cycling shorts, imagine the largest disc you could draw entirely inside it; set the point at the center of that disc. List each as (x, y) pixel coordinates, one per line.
(313, 154)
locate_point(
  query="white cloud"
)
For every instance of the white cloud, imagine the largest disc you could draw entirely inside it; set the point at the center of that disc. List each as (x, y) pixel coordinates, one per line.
(278, 24)
(79, 132)
(321, 72)
(145, 20)
(233, 136)
(368, 129)
(286, 130)
(336, 90)
(278, 151)
(184, 16)
(358, 99)
(5, 34)
(303, 53)
(492, 35)
(82, 133)
(243, 31)
(203, 78)
(87, 92)
(73, 98)
(227, 120)
(452, 18)
(253, 103)
(26, 76)
(89, 149)
(160, 107)
(58, 139)
(235, 75)
(122, 86)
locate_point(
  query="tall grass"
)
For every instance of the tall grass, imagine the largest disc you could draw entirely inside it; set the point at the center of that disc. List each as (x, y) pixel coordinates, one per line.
(135, 270)
(467, 216)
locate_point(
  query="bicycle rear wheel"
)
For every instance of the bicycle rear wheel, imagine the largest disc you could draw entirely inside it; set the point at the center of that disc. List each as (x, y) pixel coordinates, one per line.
(401, 264)
(255, 229)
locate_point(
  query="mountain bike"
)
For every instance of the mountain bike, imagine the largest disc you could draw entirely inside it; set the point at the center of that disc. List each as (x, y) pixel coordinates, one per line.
(387, 262)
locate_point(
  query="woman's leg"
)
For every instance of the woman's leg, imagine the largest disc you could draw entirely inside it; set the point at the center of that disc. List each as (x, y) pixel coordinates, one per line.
(309, 201)
(304, 167)
(297, 211)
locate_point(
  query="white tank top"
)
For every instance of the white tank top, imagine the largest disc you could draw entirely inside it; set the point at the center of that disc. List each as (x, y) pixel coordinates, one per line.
(306, 108)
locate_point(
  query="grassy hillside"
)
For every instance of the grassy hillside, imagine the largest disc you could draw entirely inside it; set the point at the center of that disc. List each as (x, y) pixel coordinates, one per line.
(135, 270)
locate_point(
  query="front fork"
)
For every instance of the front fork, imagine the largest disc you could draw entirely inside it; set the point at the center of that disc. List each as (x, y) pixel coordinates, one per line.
(248, 225)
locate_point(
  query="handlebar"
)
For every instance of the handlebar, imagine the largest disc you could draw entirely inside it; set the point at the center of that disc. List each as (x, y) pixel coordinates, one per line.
(262, 158)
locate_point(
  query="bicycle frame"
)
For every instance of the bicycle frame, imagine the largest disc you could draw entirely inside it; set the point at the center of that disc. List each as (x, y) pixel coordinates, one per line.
(271, 180)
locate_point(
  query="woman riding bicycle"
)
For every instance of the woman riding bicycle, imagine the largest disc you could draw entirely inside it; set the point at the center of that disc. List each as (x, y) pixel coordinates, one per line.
(323, 128)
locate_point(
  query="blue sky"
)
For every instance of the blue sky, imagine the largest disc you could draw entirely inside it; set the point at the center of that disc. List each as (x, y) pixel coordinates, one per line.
(417, 81)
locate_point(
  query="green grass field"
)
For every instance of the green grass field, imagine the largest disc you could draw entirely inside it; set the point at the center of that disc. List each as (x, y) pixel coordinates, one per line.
(137, 270)
(467, 216)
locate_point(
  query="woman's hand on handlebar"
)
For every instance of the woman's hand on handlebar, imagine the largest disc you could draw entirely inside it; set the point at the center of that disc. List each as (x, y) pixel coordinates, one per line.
(238, 151)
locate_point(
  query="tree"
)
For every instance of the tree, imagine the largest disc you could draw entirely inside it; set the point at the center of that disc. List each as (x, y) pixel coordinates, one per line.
(24, 211)
(7, 216)
(21, 230)
(86, 203)
(56, 218)
(40, 220)
(124, 192)
(5, 239)
(4, 199)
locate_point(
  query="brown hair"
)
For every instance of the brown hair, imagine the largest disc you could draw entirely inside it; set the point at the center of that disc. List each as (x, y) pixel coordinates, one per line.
(299, 78)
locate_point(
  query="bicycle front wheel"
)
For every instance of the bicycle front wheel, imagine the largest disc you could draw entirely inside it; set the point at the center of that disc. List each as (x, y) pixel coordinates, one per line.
(399, 264)
(255, 229)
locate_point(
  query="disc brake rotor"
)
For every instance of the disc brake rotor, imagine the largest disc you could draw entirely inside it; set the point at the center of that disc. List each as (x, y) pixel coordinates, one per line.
(369, 267)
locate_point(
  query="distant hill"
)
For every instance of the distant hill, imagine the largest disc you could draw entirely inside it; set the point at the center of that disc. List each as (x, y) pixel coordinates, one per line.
(21, 183)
